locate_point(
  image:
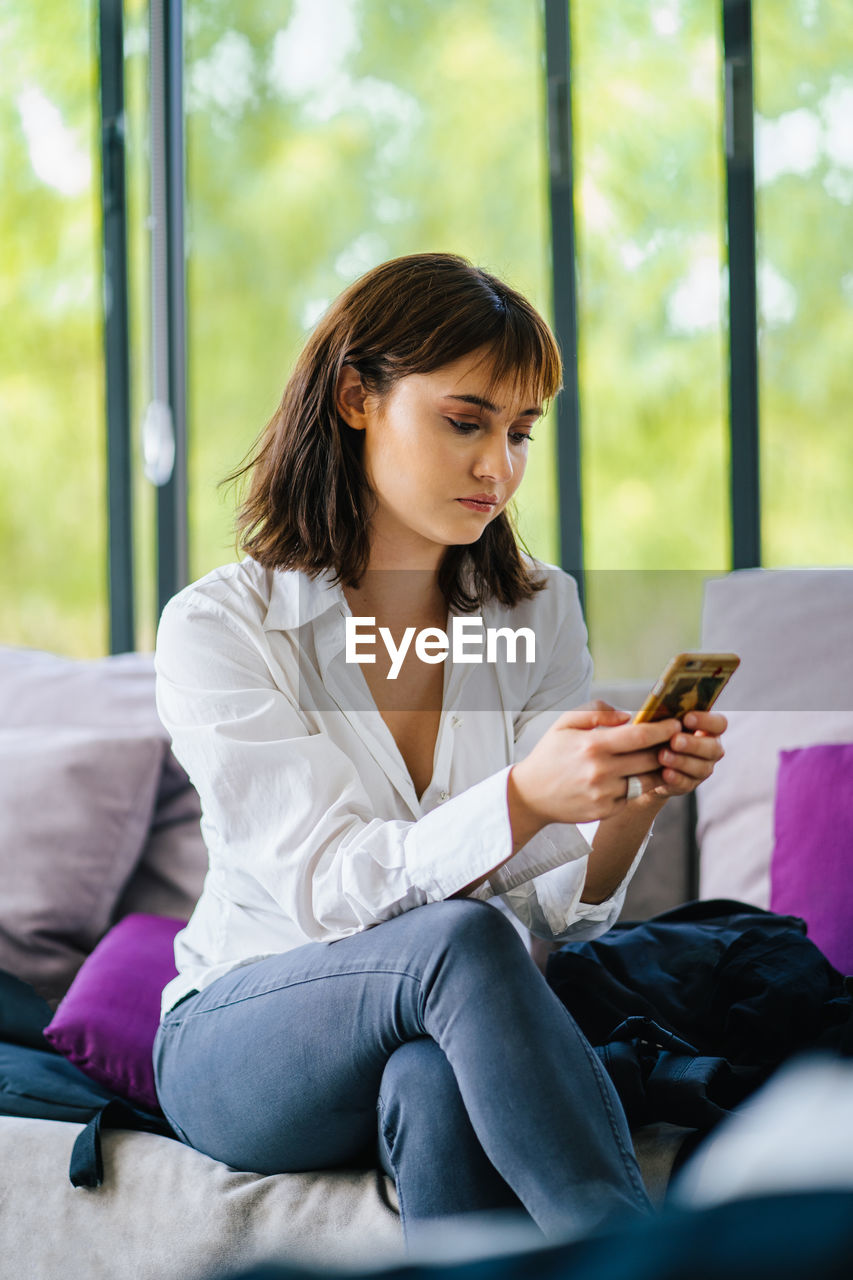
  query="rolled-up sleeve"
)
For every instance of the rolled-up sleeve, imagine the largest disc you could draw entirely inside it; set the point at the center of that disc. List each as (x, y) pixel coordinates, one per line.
(543, 882)
(287, 805)
(550, 906)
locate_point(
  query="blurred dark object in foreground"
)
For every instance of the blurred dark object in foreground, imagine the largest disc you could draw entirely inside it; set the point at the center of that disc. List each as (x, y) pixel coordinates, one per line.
(796, 1236)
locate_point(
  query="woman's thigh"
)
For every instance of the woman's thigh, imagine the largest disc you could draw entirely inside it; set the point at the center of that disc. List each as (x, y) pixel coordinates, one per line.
(277, 1065)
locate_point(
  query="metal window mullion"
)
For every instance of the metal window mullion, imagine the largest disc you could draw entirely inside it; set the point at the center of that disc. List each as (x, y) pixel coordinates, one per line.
(563, 268)
(168, 285)
(116, 348)
(743, 331)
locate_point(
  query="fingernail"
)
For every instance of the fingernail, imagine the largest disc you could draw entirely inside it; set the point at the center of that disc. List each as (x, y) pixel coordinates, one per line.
(690, 721)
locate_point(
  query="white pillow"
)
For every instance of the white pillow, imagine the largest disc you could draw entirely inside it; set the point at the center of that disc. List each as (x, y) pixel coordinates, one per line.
(793, 629)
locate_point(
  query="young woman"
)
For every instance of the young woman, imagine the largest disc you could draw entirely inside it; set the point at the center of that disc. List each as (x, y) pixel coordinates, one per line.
(375, 785)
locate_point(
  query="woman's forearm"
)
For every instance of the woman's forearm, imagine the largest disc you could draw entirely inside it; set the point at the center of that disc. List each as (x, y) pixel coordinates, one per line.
(615, 846)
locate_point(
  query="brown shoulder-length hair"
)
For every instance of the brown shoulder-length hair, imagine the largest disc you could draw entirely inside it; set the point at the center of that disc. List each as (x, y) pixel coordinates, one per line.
(309, 504)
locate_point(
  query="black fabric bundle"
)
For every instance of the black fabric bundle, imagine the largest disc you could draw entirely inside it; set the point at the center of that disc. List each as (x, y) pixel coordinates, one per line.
(692, 1010)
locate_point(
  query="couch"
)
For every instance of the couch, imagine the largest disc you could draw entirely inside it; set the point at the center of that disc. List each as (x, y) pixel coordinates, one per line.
(100, 824)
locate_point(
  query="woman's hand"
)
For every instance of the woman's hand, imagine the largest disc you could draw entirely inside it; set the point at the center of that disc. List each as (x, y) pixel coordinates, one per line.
(579, 769)
(691, 756)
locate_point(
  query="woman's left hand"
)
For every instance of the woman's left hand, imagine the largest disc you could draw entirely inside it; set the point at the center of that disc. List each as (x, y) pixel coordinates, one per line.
(689, 758)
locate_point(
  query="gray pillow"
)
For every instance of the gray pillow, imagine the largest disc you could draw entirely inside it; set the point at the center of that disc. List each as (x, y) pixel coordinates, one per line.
(170, 874)
(75, 807)
(38, 688)
(794, 688)
(116, 694)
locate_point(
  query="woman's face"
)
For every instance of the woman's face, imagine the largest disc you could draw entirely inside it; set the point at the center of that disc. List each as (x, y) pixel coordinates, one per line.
(443, 453)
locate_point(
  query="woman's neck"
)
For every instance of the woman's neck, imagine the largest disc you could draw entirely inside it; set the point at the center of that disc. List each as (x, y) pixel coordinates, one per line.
(400, 585)
(399, 598)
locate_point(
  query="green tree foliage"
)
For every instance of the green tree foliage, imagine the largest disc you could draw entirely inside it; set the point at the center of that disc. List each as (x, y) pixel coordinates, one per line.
(651, 208)
(52, 478)
(804, 212)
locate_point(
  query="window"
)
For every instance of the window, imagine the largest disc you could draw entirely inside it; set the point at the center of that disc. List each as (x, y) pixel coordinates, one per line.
(324, 136)
(650, 199)
(804, 218)
(53, 582)
(321, 146)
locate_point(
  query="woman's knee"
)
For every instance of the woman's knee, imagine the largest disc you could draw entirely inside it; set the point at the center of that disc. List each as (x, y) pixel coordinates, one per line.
(468, 925)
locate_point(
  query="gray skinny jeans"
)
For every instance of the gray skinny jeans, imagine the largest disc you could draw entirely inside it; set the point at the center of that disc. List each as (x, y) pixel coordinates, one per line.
(432, 1033)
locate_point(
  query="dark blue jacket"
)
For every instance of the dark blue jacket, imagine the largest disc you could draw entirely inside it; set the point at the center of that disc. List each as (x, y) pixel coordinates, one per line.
(692, 1010)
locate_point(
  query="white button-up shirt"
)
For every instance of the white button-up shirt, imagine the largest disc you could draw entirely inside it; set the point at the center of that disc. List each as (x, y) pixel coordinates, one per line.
(311, 819)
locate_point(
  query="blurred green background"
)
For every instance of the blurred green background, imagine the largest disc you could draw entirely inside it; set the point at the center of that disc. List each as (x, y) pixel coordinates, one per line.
(324, 136)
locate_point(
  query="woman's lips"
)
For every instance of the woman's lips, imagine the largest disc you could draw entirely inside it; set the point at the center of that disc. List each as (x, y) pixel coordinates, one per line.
(473, 505)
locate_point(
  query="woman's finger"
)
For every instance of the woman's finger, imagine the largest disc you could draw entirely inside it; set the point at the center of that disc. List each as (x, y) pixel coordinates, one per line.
(647, 782)
(705, 748)
(691, 767)
(706, 722)
(624, 739)
(636, 763)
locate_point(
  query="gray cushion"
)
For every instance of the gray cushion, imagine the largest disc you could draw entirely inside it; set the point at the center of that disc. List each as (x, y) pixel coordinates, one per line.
(794, 688)
(75, 805)
(44, 691)
(166, 1210)
(170, 873)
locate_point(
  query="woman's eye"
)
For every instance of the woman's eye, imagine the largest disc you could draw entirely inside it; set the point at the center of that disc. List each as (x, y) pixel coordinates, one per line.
(465, 429)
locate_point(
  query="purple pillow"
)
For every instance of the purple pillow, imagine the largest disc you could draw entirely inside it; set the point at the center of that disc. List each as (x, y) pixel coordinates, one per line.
(106, 1022)
(811, 872)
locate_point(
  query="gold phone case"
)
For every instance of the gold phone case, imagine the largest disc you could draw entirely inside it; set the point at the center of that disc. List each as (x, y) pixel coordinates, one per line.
(690, 682)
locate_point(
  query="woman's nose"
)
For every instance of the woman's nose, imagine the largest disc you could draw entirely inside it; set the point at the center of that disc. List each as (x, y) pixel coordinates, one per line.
(494, 461)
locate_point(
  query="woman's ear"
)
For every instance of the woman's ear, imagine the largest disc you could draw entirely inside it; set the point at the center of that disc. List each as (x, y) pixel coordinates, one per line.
(350, 397)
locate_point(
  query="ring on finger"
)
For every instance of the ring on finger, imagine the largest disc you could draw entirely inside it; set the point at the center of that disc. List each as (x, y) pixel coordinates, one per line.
(635, 788)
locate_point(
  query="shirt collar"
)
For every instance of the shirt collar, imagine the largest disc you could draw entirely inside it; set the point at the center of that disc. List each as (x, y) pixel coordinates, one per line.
(296, 599)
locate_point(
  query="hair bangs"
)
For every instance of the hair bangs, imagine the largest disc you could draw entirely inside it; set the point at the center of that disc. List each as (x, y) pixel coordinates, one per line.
(522, 355)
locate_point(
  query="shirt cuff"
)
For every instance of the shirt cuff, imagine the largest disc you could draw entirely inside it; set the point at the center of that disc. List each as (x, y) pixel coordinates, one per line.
(461, 840)
(561, 905)
(550, 848)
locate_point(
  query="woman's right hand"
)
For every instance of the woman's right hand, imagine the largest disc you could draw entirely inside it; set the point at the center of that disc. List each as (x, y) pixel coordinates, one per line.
(579, 769)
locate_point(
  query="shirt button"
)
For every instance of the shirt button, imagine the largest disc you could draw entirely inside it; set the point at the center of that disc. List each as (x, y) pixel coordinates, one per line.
(442, 795)
(455, 722)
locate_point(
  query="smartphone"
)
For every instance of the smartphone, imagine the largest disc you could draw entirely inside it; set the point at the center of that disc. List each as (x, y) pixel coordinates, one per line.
(690, 682)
